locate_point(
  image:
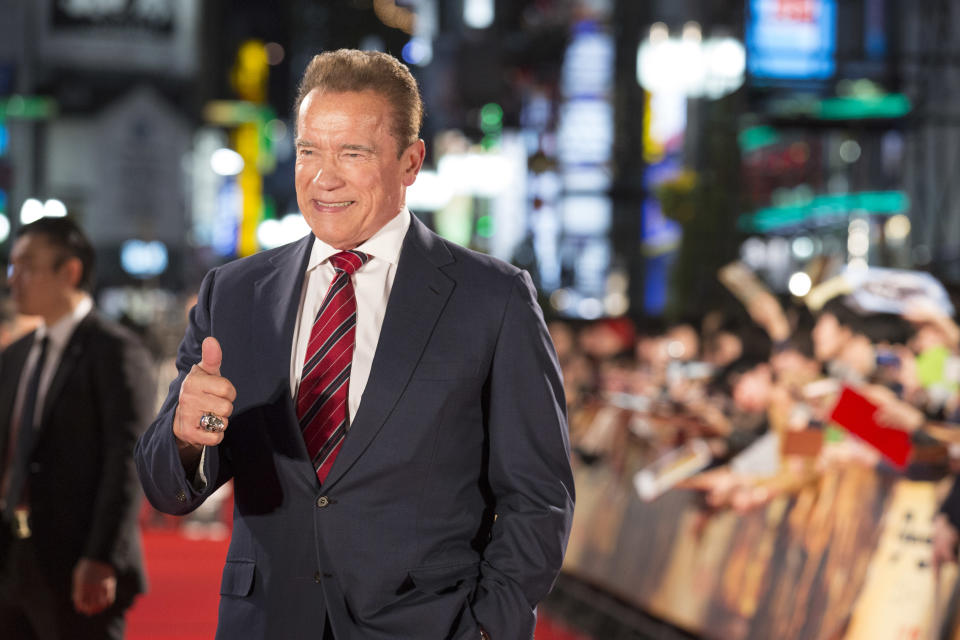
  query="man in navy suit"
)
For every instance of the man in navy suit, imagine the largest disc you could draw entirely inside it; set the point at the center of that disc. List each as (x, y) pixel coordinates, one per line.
(440, 505)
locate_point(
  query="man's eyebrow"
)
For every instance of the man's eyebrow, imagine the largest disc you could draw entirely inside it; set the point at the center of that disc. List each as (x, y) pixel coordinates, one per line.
(300, 142)
(357, 147)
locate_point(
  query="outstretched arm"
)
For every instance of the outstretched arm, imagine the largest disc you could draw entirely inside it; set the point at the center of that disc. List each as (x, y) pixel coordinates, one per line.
(170, 453)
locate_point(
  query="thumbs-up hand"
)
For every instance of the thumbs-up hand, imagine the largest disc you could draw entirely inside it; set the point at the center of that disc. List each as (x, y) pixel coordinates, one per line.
(204, 391)
(210, 356)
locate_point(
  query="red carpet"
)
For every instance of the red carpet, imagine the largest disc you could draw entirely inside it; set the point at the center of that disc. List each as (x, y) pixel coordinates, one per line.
(184, 591)
(184, 588)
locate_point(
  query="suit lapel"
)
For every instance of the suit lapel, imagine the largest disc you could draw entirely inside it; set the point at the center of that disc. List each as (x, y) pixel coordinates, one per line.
(275, 309)
(420, 292)
(276, 303)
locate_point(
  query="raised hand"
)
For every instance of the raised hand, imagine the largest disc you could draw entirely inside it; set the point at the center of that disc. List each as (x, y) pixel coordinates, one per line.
(204, 391)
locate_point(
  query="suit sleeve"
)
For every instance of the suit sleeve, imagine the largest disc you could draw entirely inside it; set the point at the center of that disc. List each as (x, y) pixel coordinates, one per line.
(165, 482)
(528, 471)
(123, 374)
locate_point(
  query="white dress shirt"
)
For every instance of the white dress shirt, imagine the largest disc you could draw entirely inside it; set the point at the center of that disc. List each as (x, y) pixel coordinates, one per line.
(371, 283)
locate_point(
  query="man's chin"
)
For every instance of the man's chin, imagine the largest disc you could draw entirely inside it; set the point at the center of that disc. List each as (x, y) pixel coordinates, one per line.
(339, 241)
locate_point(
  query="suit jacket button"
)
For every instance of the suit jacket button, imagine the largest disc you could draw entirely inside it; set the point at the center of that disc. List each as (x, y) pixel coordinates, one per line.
(317, 577)
(323, 501)
(181, 496)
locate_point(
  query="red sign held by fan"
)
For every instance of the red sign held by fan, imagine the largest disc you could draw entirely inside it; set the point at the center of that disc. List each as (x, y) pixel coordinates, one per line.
(857, 414)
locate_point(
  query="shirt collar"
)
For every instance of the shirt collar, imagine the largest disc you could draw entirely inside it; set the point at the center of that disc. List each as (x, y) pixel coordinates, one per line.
(61, 330)
(385, 244)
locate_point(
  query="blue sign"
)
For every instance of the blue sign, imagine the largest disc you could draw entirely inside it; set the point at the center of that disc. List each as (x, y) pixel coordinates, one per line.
(791, 39)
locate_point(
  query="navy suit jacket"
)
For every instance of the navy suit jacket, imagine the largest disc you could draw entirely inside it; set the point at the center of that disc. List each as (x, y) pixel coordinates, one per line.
(449, 504)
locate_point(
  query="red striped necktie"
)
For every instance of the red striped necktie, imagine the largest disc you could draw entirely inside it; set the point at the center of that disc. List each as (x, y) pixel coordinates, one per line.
(325, 381)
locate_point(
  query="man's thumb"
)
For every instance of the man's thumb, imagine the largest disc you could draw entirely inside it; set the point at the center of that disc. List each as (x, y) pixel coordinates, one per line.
(210, 356)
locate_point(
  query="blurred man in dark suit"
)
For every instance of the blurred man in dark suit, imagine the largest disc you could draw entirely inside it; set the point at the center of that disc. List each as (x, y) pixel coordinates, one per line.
(74, 396)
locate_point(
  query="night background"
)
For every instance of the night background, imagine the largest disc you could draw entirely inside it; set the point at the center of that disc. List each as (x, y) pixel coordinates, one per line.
(621, 151)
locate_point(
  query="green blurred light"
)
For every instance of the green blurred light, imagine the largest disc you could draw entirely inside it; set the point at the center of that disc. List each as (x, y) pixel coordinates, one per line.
(822, 207)
(491, 117)
(268, 126)
(269, 208)
(485, 226)
(851, 107)
(755, 138)
(234, 112)
(490, 141)
(834, 434)
(28, 108)
(894, 105)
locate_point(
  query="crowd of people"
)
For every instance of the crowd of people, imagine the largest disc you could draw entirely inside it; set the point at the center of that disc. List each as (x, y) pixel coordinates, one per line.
(742, 404)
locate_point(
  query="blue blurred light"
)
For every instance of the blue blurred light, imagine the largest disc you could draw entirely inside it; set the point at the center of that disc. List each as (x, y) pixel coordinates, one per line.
(656, 277)
(223, 231)
(143, 259)
(585, 26)
(4, 139)
(418, 51)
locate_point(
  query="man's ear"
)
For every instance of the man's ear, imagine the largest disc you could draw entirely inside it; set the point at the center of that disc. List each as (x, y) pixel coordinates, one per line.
(72, 270)
(412, 160)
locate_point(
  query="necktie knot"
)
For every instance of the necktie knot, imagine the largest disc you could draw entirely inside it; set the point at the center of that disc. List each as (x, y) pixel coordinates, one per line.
(349, 261)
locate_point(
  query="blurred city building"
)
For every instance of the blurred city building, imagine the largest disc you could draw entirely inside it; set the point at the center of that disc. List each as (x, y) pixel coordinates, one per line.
(619, 150)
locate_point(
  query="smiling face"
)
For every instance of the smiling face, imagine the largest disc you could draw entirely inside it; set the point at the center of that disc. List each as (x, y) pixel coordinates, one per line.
(349, 178)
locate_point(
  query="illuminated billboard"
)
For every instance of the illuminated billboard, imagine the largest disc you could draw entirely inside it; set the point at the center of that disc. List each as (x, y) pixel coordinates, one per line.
(791, 39)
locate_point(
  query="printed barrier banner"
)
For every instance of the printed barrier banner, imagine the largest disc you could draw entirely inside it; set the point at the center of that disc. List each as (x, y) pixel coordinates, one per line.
(846, 557)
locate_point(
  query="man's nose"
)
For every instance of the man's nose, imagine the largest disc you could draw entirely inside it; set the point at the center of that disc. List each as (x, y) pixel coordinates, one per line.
(326, 176)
